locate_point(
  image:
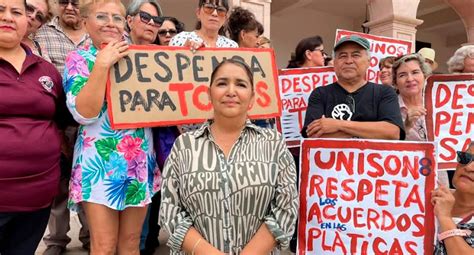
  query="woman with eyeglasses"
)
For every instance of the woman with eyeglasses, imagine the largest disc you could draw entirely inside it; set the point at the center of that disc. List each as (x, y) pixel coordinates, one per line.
(454, 210)
(143, 21)
(308, 53)
(38, 14)
(211, 15)
(114, 172)
(170, 27)
(33, 111)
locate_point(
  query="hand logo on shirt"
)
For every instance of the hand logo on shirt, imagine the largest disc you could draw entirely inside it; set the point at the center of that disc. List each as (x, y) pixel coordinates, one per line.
(341, 112)
(46, 82)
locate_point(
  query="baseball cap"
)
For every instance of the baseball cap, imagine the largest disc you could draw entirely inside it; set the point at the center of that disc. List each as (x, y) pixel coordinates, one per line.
(364, 43)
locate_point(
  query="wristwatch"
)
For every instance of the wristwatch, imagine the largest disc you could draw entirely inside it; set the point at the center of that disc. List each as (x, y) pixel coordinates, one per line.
(454, 232)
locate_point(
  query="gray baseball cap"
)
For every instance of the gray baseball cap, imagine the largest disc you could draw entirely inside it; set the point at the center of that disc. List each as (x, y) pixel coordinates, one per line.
(364, 43)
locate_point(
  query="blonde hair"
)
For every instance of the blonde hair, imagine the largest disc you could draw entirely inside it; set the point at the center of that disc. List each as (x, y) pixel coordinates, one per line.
(86, 6)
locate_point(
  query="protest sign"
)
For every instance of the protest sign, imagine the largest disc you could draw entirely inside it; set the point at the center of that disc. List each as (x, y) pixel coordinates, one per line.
(163, 86)
(295, 87)
(366, 197)
(449, 101)
(380, 47)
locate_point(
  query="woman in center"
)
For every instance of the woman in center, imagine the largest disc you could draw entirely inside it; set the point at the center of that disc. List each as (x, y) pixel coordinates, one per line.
(230, 186)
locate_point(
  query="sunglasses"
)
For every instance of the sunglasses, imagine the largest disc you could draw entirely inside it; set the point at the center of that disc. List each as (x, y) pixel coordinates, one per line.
(74, 3)
(464, 158)
(145, 17)
(209, 9)
(164, 32)
(39, 16)
(350, 101)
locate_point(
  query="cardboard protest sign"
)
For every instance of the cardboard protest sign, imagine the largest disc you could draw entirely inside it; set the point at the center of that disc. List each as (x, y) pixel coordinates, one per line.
(449, 101)
(163, 86)
(380, 47)
(366, 197)
(295, 86)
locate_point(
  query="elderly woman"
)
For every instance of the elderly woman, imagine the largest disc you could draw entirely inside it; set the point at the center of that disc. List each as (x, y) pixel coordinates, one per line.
(211, 15)
(462, 61)
(264, 42)
(210, 205)
(455, 210)
(114, 174)
(38, 14)
(143, 21)
(244, 28)
(409, 75)
(308, 53)
(32, 109)
(171, 27)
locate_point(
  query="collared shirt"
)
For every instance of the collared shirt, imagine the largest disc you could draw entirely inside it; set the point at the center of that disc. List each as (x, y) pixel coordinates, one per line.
(57, 43)
(418, 131)
(32, 107)
(228, 199)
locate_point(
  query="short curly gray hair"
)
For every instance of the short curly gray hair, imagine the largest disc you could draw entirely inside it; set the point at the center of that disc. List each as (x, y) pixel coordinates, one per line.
(425, 68)
(456, 62)
(134, 7)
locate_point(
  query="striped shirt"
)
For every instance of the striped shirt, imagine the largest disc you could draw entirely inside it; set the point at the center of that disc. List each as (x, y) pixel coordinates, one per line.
(57, 43)
(228, 199)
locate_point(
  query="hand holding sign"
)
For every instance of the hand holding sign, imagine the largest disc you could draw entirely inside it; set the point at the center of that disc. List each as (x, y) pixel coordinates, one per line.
(111, 53)
(413, 115)
(443, 202)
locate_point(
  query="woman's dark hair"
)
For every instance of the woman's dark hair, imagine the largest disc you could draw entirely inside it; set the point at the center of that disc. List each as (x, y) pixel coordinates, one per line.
(387, 62)
(242, 20)
(224, 3)
(178, 24)
(309, 43)
(234, 62)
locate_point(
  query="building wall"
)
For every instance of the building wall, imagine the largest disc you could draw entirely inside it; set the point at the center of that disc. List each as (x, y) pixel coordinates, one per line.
(439, 43)
(288, 28)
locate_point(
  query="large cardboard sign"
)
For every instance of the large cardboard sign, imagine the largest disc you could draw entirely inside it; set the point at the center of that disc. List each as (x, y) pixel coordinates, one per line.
(162, 86)
(380, 47)
(449, 101)
(295, 87)
(366, 197)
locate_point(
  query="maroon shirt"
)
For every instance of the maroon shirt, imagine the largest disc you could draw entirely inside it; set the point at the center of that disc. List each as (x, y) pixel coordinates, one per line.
(32, 103)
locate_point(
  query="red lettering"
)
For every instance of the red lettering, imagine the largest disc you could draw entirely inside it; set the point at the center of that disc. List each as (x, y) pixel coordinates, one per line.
(379, 192)
(314, 183)
(455, 123)
(378, 168)
(285, 85)
(346, 160)
(203, 89)
(386, 218)
(398, 186)
(324, 165)
(263, 99)
(443, 94)
(314, 211)
(457, 96)
(418, 221)
(372, 218)
(410, 246)
(444, 143)
(358, 215)
(441, 118)
(350, 194)
(331, 188)
(376, 246)
(414, 197)
(365, 188)
(396, 247)
(403, 223)
(313, 233)
(181, 88)
(388, 166)
(326, 213)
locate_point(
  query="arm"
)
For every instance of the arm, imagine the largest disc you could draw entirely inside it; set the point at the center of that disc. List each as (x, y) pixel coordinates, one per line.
(443, 201)
(329, 127)
(314, 111)
(90, 99)
(281, 218)
(173, 215)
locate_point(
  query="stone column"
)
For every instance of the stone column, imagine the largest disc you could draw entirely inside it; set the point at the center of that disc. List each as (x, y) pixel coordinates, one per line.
(465, 10)
(394, 18)
(261, 9)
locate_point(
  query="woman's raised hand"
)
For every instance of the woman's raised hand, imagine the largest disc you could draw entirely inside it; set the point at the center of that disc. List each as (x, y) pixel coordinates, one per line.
(112, 53)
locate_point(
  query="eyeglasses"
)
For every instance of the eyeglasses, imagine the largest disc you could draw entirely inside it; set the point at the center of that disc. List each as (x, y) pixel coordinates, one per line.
(209, 9)
(350, 101)
(464, 158)
(164, 32)
(103, 19)
(39, 16)
(74, 3)
(145, 17)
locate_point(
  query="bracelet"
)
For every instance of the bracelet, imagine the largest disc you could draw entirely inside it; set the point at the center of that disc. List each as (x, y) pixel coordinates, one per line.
(454, 232)
(195, 245)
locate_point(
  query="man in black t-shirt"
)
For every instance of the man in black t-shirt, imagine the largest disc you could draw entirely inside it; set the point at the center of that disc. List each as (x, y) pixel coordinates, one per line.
(353, 107)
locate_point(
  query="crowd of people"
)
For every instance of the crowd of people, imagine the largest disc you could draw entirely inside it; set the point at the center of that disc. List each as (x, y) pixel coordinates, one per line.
(228, 186)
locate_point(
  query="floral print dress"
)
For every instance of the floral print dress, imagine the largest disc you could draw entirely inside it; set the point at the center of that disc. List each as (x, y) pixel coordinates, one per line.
(115, 168)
